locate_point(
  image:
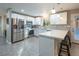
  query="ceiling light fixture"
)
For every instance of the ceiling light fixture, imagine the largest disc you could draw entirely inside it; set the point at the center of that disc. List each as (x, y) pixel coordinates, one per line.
(53, 10)
(45, 15)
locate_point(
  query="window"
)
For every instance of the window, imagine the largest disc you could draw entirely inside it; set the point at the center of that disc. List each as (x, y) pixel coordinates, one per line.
(60, 18)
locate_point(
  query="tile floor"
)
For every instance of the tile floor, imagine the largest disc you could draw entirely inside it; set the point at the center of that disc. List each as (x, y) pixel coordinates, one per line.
(27, 47)
(75, 50)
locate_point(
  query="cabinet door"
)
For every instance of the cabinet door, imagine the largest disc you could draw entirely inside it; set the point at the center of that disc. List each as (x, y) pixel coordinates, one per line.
(46, 46)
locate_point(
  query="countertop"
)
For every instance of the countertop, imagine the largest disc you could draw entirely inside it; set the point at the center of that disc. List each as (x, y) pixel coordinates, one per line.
(57, 34)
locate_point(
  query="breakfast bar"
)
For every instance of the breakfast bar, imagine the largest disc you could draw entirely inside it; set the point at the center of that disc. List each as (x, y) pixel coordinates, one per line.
(49, 42)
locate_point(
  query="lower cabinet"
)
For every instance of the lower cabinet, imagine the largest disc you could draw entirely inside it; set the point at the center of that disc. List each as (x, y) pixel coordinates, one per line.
(46, 46)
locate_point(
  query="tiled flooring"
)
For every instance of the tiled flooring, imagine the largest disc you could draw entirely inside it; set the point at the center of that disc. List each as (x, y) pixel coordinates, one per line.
(75, 50)
(28, 47)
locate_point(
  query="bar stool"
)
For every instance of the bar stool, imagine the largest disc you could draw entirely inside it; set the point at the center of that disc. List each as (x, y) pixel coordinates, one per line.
(65, 46)
(67, 38)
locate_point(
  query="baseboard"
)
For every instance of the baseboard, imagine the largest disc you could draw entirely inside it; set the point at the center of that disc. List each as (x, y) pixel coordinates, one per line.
(17, 41)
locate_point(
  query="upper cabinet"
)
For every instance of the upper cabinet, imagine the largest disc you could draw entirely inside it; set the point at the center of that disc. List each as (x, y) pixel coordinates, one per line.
(59, 18)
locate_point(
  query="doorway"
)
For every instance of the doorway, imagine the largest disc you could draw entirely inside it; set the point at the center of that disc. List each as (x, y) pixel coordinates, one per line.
(75, 28)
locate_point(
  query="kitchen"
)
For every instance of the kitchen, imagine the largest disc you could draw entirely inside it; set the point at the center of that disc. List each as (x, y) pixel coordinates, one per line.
(50, 27)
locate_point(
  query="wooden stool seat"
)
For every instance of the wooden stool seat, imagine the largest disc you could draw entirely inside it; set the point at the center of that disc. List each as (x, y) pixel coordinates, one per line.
(64, 42)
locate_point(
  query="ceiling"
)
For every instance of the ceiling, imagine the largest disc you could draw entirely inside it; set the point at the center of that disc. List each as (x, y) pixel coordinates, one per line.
(37, 9)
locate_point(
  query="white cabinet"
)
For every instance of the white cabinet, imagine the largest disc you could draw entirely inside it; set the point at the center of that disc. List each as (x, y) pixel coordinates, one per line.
(46, 46)
(49, 42)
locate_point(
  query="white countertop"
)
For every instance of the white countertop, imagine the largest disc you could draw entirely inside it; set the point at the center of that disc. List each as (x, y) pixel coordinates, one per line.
(57, 34)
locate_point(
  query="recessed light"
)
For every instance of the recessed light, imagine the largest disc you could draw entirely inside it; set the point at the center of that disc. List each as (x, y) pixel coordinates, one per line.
(22, 10)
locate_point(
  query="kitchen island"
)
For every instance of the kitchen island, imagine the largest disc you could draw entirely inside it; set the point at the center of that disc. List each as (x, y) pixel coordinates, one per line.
(49, 42)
